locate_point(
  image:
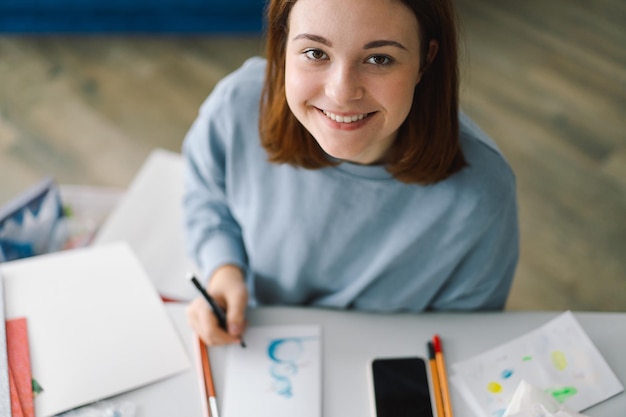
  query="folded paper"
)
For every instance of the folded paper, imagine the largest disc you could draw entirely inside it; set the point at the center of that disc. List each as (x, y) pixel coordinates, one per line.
(530, 401)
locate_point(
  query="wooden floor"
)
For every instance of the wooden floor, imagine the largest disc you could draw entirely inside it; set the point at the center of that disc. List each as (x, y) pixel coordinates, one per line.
(546, 79)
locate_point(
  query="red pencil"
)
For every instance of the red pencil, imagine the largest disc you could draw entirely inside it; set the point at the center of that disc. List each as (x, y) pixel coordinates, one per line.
(443, 377)
(208, 379)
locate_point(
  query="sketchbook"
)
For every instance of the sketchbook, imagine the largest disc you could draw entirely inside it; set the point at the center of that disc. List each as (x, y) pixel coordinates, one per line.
(97, 327)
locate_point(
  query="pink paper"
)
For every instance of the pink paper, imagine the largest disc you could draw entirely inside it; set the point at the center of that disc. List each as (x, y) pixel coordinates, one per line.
(19, 365)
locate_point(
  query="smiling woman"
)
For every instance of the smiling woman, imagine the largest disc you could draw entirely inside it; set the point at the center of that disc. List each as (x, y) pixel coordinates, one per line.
(339, 172)
(350, 88)
(392, 61)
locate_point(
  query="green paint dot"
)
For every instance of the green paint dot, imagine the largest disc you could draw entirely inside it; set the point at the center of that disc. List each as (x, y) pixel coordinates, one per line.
(527, 358)
(562, 394)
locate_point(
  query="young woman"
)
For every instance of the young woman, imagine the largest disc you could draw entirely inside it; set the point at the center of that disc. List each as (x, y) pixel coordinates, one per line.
(339, 172)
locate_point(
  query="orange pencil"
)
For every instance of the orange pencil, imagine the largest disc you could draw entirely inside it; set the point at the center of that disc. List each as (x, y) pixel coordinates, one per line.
(443, 378)
(435, 375)
(208, 379)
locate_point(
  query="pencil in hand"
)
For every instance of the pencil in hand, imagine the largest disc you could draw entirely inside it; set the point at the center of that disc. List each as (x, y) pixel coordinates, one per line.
(217, 310)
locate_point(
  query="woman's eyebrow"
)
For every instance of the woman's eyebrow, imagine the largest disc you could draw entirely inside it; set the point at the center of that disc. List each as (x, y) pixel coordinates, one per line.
(381, 43)
(369, 45)
(315, 38)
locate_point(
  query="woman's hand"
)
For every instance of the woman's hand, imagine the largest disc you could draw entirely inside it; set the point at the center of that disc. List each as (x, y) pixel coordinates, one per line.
(227, 286)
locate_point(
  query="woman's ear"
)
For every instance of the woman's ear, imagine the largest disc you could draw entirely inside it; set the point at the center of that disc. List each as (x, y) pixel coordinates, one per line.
(433, 48)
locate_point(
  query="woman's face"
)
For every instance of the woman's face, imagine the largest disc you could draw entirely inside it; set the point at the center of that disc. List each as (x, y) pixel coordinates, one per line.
(351, 70)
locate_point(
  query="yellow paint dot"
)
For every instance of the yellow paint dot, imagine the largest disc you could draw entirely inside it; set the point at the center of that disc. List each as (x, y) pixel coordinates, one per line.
(494, 387)
(558, 360)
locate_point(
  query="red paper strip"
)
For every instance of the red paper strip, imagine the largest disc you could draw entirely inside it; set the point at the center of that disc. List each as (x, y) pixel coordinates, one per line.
(19, 363)
(16, 405)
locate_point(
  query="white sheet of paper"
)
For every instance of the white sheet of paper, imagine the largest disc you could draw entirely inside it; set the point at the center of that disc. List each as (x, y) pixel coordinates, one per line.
(5, 393)
(557, 357)
(278, 374)
(150, 218)
(97, 326)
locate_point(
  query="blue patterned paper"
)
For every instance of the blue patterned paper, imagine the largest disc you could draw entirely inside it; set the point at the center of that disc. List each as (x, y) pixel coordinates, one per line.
(33, 223)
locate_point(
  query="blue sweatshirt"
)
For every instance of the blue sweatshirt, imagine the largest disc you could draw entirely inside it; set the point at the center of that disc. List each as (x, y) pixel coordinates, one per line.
(349, 236)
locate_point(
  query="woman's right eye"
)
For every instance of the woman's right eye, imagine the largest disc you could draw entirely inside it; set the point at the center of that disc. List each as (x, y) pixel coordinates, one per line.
(315, 54)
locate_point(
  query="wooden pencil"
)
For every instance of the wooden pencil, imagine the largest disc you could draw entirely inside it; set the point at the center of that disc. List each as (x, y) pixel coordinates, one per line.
(443, 377)
(209, 386)
(434, 371)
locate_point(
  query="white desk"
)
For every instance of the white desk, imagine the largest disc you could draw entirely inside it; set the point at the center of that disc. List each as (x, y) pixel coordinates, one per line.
(351, 339)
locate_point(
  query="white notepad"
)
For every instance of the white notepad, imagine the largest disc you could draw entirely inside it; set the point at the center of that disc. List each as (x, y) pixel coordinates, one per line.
(97, 326)
(278, 374)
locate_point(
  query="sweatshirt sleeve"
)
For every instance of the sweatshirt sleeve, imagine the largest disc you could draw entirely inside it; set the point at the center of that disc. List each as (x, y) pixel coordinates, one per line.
(213, 236)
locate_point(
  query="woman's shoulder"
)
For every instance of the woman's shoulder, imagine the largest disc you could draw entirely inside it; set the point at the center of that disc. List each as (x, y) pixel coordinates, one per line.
(240, 88)
(226, 118)
(481, 151)
(251, 71)
(488, 175)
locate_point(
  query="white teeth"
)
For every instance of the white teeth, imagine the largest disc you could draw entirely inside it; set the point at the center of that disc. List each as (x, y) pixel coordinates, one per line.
(344, 119)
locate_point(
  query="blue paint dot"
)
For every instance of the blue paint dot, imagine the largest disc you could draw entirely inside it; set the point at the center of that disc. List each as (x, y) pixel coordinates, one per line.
(507, 373)
(499, 413)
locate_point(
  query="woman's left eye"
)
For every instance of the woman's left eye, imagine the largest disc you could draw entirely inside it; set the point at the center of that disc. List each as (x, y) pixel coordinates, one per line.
(380, 60)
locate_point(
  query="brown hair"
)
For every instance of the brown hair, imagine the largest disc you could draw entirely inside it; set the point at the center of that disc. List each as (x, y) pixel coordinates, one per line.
(427, 147)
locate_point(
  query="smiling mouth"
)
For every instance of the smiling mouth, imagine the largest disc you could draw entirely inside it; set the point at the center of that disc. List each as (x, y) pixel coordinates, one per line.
(345, 119)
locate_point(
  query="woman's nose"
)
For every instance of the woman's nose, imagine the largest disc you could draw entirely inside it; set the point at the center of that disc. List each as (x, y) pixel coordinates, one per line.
(343, 84)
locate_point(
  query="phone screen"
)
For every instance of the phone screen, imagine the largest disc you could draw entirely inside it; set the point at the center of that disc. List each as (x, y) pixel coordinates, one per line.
(400, 387)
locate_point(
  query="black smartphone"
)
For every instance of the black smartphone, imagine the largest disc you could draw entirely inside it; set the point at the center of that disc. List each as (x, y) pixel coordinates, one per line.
(399, 387)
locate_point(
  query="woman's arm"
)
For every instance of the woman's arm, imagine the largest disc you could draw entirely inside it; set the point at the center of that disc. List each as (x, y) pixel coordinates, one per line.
(213, 236)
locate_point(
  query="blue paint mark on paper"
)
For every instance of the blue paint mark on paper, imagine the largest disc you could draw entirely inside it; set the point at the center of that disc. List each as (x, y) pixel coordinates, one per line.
(285, 354)
(499, 412)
